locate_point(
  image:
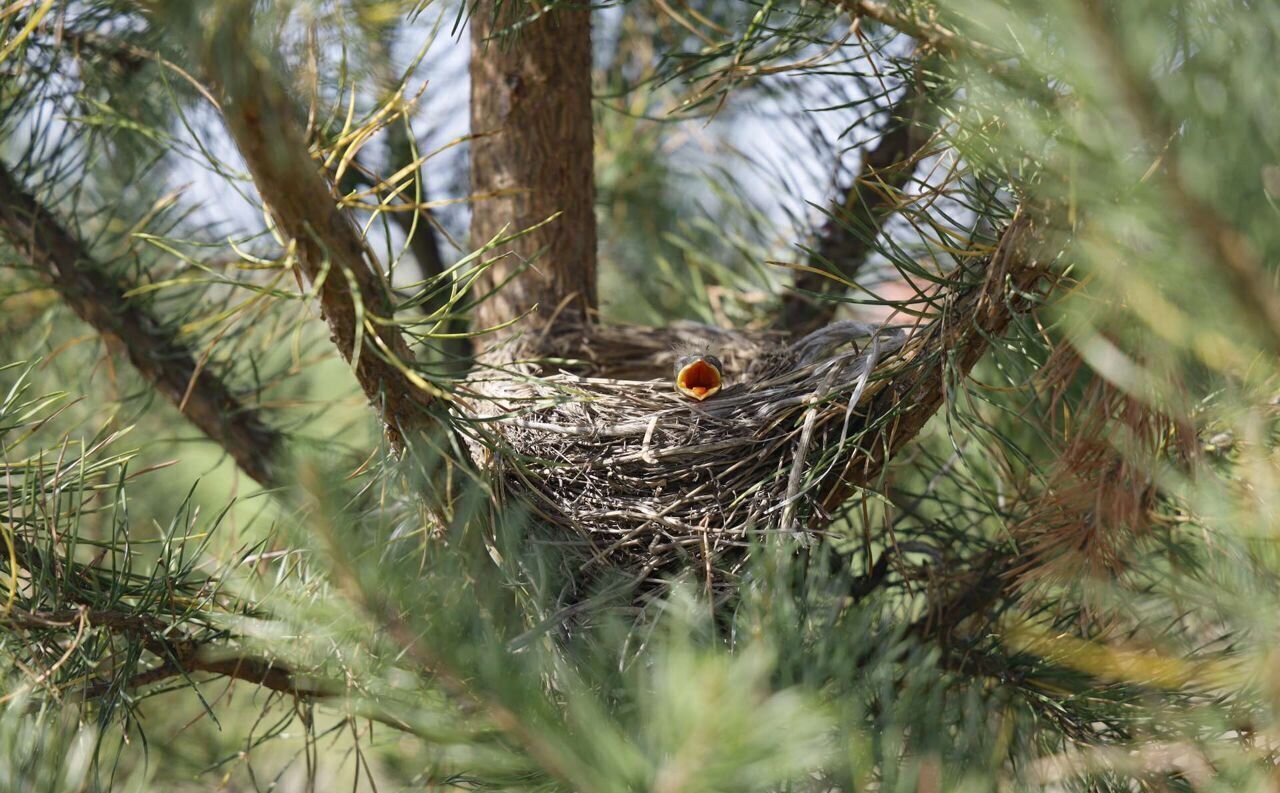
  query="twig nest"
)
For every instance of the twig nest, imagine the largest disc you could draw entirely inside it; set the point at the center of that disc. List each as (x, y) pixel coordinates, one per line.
(644, 477)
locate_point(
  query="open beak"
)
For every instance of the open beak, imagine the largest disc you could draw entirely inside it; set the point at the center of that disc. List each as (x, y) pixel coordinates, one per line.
(699, 378)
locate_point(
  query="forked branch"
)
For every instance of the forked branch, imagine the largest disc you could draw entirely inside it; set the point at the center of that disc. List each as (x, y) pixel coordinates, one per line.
(924, 28)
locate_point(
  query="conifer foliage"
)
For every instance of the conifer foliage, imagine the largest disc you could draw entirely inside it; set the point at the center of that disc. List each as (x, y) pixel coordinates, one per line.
(340, 451)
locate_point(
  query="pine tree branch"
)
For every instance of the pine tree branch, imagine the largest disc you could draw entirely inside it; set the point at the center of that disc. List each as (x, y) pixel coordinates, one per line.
(848, 237)
(988, 581)
(946, 350)
(331, 253)
(180, 655)
(171, 368)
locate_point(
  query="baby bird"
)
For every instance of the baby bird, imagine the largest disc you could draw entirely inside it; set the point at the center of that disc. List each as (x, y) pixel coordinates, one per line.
(699, 376)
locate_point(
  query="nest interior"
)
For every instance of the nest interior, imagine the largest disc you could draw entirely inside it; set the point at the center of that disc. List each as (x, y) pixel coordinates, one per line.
(644, 478)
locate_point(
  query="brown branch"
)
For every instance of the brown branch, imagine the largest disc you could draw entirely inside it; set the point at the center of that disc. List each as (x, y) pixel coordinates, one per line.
(171, 368)
(179, 654)
(185, 657)
(531, 107)
(331, 253)
(957, 338)
(987, 581)
(848, 237)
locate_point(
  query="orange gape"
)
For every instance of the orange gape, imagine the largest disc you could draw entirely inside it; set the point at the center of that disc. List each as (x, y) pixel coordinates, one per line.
(699, 379)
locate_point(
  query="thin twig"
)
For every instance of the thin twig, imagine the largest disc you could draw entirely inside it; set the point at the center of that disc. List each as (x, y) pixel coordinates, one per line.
(179, 654)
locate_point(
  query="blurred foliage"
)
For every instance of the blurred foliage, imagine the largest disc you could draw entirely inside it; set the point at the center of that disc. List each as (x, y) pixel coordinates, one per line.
(1067, 582)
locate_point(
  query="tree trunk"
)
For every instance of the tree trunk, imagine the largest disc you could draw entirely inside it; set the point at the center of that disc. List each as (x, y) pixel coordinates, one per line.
(531, 115)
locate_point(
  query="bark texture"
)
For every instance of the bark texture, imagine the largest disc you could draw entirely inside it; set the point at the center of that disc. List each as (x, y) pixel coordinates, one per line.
(531, 159)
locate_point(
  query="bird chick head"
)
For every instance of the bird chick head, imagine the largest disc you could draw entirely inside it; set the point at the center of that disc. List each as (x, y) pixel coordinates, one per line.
(699, 376)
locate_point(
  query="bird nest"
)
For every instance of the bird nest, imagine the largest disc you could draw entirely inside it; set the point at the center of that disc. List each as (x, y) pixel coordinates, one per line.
(643, 478)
